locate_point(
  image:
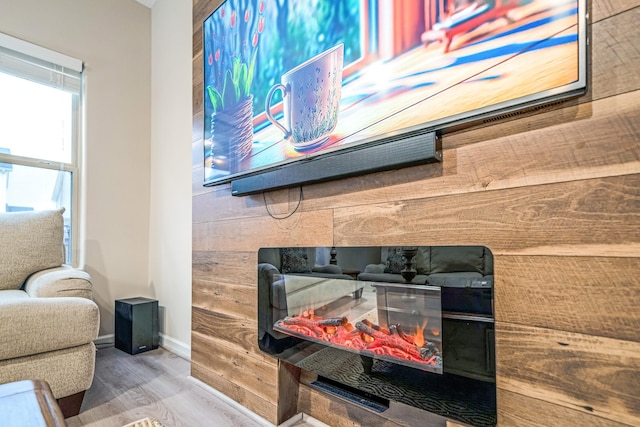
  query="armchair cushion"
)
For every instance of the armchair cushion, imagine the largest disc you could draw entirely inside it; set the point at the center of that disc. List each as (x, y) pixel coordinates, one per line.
(37, 325)
(31, 241)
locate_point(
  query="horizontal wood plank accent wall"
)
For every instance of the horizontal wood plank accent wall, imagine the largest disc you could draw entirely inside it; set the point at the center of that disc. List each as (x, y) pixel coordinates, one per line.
(556, 197)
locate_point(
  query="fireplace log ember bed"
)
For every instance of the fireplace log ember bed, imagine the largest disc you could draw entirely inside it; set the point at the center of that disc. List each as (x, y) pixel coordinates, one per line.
(413, 326)
(365, 338)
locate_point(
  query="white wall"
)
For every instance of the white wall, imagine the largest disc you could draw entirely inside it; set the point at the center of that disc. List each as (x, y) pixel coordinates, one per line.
(113, 38)
(170, 218)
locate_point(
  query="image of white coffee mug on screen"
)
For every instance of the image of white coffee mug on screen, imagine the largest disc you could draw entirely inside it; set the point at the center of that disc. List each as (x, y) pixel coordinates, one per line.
(311, 99)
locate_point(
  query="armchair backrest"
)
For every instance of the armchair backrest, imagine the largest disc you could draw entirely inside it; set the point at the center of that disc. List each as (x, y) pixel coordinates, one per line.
(29, 242)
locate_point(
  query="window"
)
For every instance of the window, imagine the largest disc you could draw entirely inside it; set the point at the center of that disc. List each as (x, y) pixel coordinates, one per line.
(40, 129)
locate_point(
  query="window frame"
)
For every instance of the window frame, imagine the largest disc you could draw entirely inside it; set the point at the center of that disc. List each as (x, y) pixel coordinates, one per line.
(59, 63)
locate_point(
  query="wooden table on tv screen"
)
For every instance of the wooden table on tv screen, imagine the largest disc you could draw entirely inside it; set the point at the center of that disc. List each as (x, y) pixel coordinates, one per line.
(29, 404)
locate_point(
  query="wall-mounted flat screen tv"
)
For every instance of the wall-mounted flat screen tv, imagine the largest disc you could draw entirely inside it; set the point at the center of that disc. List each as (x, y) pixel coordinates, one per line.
(287, 82)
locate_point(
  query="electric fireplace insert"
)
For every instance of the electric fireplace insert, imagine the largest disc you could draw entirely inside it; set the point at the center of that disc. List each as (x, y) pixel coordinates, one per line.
(380, 326)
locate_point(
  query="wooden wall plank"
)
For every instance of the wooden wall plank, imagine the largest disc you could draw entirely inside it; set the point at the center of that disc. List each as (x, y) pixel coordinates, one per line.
(202, 9)
(591, 295)
(594, 375)
(213, 266)
(603, 9)
(223, 340)
(265, 408)
(516, 410)
(279, 202)
(230, 207)
(552, 219)
(250, 234)
(232, 300)
(288, 385)
(237, 333)
(196, 44)
(259, 377)
(615, 54)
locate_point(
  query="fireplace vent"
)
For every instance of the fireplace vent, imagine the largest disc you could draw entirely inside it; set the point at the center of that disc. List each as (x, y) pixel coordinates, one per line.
(351, 394)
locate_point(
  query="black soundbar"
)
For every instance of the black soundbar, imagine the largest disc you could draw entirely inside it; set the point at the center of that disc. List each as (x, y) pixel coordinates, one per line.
(391, 153)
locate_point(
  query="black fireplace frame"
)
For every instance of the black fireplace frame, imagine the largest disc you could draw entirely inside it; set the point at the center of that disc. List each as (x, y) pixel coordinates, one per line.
(467, 381)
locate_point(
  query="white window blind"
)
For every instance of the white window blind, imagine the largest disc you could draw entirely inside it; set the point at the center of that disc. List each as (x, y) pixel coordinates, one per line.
(44, 66)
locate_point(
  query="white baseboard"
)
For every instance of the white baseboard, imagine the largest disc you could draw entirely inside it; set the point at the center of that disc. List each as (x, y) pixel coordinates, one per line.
(257, 418)
(105, 340)
(175, 346)
(302, 417)
(292, 421)
(235, 405)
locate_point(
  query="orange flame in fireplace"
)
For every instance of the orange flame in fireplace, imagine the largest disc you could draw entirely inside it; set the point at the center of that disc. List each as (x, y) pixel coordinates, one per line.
(419, 335)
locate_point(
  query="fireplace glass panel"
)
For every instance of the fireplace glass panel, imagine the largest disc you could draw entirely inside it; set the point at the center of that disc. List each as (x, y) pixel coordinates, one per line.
(398, 323)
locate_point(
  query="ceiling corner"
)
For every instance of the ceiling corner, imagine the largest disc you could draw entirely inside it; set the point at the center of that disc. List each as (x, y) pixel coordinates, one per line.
(148, 3)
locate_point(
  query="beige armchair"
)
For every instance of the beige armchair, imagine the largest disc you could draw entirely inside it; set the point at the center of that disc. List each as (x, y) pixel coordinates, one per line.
(48, 321)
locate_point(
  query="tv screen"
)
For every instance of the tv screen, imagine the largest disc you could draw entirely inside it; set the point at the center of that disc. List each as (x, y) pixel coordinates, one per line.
(286, 80)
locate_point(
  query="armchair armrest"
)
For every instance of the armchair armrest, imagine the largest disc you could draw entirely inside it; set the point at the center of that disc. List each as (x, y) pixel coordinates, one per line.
(64, 281)
(37, 325)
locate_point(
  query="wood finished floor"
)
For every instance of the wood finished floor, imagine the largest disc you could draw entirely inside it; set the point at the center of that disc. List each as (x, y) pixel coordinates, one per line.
(154, 384)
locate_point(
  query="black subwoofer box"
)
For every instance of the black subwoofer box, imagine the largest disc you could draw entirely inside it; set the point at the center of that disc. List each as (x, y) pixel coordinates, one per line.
(136, 325)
